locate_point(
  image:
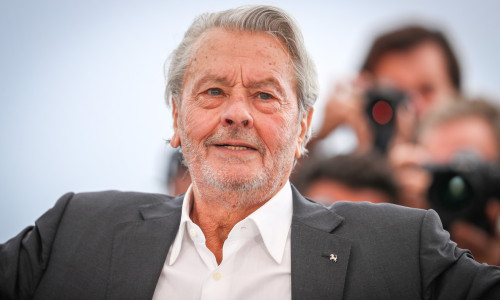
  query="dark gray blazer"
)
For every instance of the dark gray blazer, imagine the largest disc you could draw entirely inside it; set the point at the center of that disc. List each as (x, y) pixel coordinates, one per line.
(112, 245)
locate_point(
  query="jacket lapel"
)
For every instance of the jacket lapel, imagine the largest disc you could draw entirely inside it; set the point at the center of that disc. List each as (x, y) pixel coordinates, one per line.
(319, 257)
(140, 248)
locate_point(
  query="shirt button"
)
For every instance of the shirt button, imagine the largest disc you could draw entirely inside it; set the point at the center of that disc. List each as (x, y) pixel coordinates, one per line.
(216, 275)
(193, 232)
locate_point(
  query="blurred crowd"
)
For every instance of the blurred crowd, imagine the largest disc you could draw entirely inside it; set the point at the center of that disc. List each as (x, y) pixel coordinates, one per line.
(418, 141)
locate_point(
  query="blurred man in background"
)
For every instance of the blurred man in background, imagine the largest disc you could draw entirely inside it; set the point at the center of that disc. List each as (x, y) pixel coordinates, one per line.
(418, 61)
(454, 168)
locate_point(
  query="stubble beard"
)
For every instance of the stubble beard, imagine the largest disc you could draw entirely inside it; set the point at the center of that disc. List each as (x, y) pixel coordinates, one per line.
(241, 191)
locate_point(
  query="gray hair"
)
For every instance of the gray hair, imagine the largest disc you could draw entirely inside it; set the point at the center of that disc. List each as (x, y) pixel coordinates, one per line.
(260, 18)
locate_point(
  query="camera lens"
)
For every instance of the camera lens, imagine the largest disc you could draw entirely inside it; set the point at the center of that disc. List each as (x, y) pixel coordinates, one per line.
(382, 112)
(455, 192)
(461, 189)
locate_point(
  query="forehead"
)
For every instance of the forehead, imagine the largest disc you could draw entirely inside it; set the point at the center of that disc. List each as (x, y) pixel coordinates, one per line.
(227, 41)
(256, 54)
(423, 62)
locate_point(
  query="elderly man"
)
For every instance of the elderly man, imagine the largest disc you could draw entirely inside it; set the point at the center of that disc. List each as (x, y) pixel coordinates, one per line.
(242, 88)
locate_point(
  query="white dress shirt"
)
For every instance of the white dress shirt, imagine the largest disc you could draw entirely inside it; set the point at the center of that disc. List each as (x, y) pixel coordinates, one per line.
(256, 260)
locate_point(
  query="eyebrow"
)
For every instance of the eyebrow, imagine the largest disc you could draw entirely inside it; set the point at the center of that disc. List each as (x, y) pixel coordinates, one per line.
(268, 82)
(211, 78)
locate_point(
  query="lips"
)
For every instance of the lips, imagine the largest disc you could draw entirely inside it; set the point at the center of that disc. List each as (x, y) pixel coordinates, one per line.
(235, 147)
(235, 140)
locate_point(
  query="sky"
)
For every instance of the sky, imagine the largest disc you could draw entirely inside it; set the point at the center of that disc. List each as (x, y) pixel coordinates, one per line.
(81, 83)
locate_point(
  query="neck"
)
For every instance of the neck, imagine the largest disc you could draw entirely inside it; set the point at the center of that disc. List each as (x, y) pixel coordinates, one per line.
(216, 212)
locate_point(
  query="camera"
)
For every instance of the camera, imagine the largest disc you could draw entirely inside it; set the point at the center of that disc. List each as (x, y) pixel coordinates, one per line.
(381, 105)
(461, 189)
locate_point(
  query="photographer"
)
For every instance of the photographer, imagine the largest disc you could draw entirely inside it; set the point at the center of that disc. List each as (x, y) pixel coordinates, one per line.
(417, 61)
(455, 169)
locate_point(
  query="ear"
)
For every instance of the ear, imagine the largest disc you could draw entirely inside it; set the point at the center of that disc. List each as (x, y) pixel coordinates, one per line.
(305, 123)
(176, 140)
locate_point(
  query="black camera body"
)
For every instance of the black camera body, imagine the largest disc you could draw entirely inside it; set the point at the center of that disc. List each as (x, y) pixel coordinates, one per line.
(461, 189)
(381, 105)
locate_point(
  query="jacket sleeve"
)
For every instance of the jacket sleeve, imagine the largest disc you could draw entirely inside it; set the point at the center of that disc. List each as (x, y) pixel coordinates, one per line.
(23, 259)
(449, 272)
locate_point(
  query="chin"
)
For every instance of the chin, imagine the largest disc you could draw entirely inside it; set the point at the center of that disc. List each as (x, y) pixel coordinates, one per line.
(237, 183)
(235, 179)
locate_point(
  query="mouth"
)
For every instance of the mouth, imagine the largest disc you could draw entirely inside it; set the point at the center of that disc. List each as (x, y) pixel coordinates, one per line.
(235, 147)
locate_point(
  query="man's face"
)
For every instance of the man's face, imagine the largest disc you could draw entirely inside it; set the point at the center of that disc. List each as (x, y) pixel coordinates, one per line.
(421, 72)
(467, 134)
(238, 118)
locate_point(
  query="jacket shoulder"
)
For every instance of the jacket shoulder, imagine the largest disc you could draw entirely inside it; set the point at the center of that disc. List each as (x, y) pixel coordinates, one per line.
(116, 205)
(114, 197)
(378, 214)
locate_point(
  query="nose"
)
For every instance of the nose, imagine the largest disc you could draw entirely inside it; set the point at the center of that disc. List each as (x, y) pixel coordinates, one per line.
(237, 113)
(419, 102)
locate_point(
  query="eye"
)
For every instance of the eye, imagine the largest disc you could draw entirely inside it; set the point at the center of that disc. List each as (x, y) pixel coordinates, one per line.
(426, 89)
(214, 92)
(265, 96)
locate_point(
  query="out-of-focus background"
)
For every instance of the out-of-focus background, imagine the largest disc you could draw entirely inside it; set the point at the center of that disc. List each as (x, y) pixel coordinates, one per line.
(81, 83)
